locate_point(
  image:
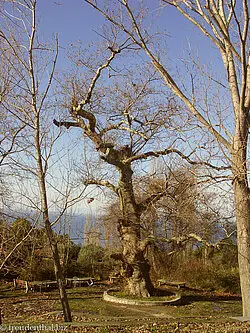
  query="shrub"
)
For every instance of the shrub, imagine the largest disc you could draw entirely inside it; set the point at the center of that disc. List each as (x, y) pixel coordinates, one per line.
(95, 261)
(209, 276)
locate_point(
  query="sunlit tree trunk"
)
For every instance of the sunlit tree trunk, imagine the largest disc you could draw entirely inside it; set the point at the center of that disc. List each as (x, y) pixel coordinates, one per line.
(242, 205)
(52, 241)
(138, 282)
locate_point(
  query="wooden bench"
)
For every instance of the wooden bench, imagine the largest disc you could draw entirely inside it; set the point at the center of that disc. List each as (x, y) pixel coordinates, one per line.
(112, 279)
(79, 282)
(21, 284)
(178, 284)
(44, 285)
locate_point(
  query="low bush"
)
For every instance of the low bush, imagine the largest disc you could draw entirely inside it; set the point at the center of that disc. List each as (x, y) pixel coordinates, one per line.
(208, 276)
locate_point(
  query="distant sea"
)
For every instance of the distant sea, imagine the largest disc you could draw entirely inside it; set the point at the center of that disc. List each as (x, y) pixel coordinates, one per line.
(72, 225)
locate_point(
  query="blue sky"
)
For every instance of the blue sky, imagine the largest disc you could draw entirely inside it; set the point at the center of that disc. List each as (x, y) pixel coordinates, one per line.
(75, 20)
(71, 20)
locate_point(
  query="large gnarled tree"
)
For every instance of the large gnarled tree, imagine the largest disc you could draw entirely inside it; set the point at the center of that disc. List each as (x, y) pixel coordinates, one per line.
(226, 25)
(127, 133)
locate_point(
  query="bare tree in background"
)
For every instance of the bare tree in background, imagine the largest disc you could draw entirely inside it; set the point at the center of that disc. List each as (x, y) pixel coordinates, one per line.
(32, 64)
(10, 127)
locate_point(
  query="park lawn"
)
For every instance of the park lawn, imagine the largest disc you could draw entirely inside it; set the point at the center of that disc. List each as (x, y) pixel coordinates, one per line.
(91, 313)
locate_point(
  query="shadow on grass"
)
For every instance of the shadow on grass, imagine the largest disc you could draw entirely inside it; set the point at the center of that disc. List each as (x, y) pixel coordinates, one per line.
(10, 293)
(193, 297)
(84, 292)
(87, 297)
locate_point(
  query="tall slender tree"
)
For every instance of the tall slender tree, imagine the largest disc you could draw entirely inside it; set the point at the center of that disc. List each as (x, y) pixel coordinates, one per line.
(32, 63)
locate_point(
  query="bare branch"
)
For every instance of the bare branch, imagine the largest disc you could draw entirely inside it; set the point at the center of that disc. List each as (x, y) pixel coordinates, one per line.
(144, 205)
(175, 151)
(104, 183)
(87, 99)
(77, 111)
(181, 240)
(10, 149)
(51, 76)
(18, 244)
(67, 124)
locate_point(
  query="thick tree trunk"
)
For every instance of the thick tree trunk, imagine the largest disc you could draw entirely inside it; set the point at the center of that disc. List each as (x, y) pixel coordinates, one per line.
(242, 204)
(242, 201)
(138, 281)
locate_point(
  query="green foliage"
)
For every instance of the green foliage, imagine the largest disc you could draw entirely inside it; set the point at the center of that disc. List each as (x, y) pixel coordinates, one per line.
(32, 259)
(41, 269)
(94, 261)
(90, 253)
(20, 227)
(205, 267)
(90, 259)
(71, 267)
(209, 276)
(11, 235)
(227, 279)
(227, 255)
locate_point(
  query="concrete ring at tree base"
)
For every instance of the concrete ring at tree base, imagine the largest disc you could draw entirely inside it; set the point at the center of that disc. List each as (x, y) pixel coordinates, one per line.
(128, 301)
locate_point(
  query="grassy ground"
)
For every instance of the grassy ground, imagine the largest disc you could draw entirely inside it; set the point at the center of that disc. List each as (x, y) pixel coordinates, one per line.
(198, 311)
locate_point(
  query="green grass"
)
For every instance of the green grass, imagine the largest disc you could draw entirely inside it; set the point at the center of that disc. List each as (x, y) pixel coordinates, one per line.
(87, 306)
(121, 294)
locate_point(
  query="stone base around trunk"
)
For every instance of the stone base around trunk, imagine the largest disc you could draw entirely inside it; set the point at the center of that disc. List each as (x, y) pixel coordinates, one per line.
(120, 300)
(242, 319)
